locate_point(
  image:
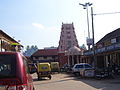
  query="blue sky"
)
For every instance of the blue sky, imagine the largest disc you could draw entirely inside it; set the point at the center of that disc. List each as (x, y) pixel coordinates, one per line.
(38, 22)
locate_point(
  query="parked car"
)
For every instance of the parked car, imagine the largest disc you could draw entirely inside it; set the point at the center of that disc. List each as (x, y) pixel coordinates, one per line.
(14, 72)
(77, 68)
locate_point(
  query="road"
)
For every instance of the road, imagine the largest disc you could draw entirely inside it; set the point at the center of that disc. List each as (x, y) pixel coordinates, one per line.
(69, 82)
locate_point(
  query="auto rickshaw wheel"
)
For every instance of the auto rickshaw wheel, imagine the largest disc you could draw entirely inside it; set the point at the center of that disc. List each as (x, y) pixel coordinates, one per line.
(39, 77)
(50, 77)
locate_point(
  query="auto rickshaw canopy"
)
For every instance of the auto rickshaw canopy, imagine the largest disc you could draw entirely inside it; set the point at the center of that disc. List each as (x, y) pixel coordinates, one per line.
(43, 67)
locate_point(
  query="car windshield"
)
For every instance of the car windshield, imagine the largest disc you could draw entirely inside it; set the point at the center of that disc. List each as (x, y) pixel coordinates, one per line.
(87, 66)
(79, 66)
(7, 66)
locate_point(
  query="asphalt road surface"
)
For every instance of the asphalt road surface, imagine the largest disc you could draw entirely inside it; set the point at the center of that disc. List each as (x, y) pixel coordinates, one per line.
(64, 81)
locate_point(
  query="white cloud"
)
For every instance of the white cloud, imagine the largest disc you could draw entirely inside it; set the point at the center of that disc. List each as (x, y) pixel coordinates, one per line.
(40, 26)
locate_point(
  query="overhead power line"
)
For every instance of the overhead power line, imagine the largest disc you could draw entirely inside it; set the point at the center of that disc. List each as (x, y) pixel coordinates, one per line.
(106, 13)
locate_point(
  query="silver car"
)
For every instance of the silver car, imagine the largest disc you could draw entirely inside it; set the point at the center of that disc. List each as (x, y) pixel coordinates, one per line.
(81, 66)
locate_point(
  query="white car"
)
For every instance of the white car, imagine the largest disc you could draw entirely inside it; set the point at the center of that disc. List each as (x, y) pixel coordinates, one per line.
(79, 67)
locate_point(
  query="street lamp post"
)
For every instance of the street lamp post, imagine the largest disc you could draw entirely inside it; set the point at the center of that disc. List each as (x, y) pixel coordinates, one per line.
(93, 39)
(85, 6)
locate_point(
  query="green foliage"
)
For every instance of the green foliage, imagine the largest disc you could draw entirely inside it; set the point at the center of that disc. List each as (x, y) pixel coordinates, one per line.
(30, 50)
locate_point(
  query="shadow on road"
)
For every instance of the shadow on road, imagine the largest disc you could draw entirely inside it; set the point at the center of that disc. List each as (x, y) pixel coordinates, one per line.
(51, 82)
(43, 79)
(103, 84)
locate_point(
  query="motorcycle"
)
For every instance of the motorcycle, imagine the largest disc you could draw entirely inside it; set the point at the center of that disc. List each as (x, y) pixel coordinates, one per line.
(104, 73)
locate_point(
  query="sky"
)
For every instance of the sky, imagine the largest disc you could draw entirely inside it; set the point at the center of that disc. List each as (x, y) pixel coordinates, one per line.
(38, 22)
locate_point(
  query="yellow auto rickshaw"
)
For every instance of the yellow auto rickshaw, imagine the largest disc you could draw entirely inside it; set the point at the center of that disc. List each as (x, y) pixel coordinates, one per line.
(55, 67)
(43, 70)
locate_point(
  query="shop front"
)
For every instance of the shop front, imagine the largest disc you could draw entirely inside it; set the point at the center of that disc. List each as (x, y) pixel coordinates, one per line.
(108, 56)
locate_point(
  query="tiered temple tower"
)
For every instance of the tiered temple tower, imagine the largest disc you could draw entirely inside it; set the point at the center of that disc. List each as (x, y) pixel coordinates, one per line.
(67, 40)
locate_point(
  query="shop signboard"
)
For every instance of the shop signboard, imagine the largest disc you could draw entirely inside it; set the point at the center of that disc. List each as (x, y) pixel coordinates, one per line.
(110, 48)
(104, 49)
(89, 41)
(117, 46)
(100, 50)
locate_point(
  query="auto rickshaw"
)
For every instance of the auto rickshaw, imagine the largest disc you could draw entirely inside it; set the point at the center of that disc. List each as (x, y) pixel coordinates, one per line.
(55, 67)
(43, 70)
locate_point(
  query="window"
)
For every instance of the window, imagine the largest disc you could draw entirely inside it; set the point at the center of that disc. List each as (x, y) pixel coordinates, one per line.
(107, 43)
(113, 40)
(79, 66)
(25, 61)
(87, 66)
(7, 66)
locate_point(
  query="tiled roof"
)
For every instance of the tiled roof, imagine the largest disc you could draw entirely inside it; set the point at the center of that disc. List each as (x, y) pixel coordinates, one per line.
(110, 35)
(46, 52)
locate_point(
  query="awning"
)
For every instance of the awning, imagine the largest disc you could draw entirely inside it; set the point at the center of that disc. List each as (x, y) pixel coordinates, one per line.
(15, 44)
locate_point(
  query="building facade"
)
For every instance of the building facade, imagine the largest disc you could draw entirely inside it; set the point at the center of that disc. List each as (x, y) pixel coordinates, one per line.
(8, 44)
(45, 55)
(107, 50)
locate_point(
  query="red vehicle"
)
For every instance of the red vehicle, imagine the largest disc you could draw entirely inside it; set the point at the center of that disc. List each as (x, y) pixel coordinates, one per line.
(14, 72)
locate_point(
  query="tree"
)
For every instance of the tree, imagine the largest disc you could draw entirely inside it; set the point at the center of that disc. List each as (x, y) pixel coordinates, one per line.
(30, 50)
(83, 47)
(28, 47)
